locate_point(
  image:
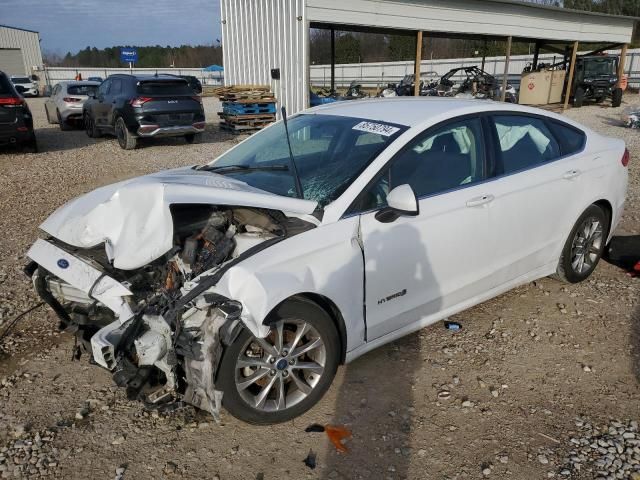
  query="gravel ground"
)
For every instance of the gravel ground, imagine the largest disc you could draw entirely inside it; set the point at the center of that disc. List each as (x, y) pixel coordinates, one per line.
(533, 380)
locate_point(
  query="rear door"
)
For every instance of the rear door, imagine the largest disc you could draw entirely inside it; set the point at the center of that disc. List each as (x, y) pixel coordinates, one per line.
(102, 105)
(113, 96)
(169, 103)
(49, 104)
(537, 194)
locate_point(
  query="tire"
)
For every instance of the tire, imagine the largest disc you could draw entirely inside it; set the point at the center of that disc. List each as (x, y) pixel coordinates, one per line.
(570, 268)
(46, 110)
(192, 138)
(578, 97)
(126, 140)
(282, 375)
(63, 125)
(616, 97)
(90, 126)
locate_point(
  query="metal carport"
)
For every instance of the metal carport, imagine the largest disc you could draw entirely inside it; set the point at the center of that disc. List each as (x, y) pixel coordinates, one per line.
(262, 35)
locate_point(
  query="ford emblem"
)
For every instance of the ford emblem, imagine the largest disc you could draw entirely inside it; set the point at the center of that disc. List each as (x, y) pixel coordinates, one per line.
(62, 263)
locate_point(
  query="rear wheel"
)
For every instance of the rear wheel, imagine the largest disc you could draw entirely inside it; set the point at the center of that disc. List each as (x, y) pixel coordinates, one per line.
(64, 126)
(274, 379)
(578, 97)
(90, 126)
(584, 247)
(192, 138)
(126, 140)
(616, 97)
(46, 110)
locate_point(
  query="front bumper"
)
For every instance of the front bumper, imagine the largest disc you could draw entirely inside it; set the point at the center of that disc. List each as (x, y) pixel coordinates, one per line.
(157, 131)
(81, 277)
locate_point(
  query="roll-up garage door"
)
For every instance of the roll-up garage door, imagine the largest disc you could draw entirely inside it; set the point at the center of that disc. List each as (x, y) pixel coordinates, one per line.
(11, 61)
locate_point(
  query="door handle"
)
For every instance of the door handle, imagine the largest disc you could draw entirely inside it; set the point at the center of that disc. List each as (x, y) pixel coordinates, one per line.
(479, 201)
(571, 174)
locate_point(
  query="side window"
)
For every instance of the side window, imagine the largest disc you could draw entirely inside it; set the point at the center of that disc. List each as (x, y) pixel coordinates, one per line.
(523, 142)
(435, 161)
(570, 138)
(103, 89)
(56, 90)
(116, 87)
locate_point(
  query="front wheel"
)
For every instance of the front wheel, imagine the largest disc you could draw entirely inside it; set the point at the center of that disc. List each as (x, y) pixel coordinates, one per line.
(584, 247)
(126, 140)
(616, 97)
(274, 379)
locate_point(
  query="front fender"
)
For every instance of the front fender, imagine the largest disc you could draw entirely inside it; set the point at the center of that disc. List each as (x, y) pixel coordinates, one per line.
(326, 260)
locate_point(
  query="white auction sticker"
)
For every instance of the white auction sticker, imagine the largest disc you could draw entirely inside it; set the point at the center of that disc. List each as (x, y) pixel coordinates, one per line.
(379, 128)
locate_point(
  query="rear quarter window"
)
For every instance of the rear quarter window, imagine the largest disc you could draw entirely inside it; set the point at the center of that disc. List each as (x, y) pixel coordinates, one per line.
(571, 139)
(165, 88)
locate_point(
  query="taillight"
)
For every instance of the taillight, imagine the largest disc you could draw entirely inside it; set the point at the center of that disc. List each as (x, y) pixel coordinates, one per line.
(199, 125)
(12, 101)
(72, 99)
(625, 158)
(139, 101)
(197, 99)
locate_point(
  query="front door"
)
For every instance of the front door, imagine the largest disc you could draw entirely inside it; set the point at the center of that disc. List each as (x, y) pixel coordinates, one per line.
(416, 267)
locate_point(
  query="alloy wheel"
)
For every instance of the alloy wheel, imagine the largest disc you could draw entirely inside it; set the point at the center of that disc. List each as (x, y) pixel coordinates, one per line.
(277, 372)
(587, 245)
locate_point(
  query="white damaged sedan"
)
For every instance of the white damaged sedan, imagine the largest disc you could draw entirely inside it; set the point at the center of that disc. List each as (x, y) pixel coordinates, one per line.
(245, 282)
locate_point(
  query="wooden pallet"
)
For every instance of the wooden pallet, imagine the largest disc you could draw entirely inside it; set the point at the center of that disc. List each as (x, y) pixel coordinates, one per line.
(265, 117)
(242, 128)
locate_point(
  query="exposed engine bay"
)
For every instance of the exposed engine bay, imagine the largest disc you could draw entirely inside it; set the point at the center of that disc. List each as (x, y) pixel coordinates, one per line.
(159, 329)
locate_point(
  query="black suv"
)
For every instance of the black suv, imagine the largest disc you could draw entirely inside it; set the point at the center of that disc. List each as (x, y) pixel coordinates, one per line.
(16, 121)
(140, 106)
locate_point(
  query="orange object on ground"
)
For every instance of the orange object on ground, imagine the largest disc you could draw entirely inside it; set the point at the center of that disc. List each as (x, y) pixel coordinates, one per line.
(336, 434)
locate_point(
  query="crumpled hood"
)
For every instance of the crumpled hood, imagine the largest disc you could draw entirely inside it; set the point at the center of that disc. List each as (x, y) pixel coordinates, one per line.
(133, 218)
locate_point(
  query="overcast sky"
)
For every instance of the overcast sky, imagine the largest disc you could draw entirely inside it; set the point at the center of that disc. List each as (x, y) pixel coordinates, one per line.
(71, 25)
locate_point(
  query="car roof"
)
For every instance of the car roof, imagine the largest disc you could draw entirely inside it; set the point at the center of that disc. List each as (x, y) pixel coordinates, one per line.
(411, 111)
(149, 78)
(79, 82)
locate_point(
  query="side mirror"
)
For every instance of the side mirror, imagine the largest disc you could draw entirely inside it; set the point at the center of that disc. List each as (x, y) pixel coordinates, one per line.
(20, 89)
(401, 201)
(91, 94)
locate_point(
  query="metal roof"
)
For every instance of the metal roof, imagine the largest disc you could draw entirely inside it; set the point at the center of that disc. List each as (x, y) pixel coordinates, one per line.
(18, 28)
(473, 18)
(559, 9)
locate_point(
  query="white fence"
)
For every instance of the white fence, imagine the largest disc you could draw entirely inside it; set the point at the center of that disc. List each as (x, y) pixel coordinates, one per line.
(54, 75)
(382, 73)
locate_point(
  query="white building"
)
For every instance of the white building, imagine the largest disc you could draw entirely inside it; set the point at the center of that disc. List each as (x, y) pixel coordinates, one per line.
(19, 51)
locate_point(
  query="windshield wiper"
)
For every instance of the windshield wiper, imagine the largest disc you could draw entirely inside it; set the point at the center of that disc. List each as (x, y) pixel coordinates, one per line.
(243, 168)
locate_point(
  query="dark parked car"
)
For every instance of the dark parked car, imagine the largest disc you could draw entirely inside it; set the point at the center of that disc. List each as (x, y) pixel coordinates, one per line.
(16, 121)
(141, 106)
(194, 83)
